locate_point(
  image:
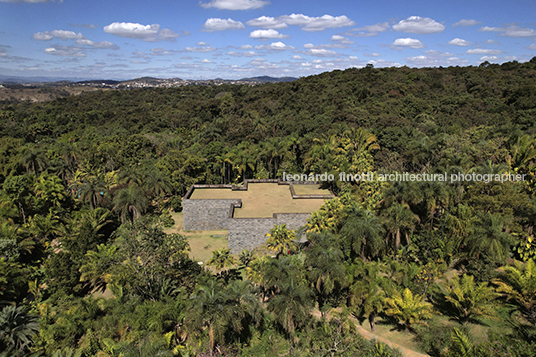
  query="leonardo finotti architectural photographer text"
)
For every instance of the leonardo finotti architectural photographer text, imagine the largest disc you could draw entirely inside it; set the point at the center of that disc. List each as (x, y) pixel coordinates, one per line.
(405, 176)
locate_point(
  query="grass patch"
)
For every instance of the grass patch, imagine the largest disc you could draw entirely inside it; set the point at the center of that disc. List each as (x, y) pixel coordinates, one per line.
(310, 190)
(261, 200)
(202, 243)
(387, 331)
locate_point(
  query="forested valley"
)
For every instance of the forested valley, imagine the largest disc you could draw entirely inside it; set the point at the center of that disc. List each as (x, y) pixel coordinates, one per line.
(87, 184)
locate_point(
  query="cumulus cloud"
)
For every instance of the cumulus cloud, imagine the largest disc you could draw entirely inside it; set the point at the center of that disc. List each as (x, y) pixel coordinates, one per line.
(201, 49)
(267, 34)
(488, 58)
(245, 47)
(482, 51)
(149, 33)
(434, 58)
(341, 40)
(42, 36)
(511, 31)
(267, 22)
(65, 51)
(275, 46)
(296, 57)
(61, 34)
(102, 45)
(372, 54)
(242, 54)
(202, 43)
(408, 42)
(466, 23)
(313, 24)
(215, 24)
(459, 42)
(159, 51)
(417, 24)
(206, 61)
(132, 30)
(235, 4)
(321, 52)
(371, 30)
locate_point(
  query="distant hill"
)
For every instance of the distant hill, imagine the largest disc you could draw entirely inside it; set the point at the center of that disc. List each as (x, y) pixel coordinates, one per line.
(268, 79)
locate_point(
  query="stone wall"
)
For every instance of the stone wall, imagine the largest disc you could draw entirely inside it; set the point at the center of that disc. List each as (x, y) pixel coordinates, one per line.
(217, 214)
(208, 215)
(251, 232)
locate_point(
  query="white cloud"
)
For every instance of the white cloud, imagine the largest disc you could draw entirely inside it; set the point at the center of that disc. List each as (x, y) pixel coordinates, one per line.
(511, 31)
(516, 31)
(296, 57)
(206, 61)
(215, 24)
(371, 30)
(65, 51)
(267, 22)
(341, 40)
(408, 42)
(482, 51)
(459, 42)
(245, 47)
(491, 42)
(64, 35)
(531, 47)
(200, 49)
(488, 58)
(434, 58)
(103, 45)
(313, 24)
(42, 36)
(321, 52)
(267, 34)
(235, 4)
(417, 24)
(202, 44)
(466, 23)
(372, 54)
(61, 34)
(132, 30)
(242, 54)
(275, 46)
(167, 35)
(489, 29)
(159, 51)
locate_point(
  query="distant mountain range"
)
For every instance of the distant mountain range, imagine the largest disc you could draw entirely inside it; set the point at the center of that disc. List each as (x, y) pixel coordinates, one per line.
(149, 80)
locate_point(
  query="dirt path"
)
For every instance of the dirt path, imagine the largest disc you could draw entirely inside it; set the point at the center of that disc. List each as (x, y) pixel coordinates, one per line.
(370, 336)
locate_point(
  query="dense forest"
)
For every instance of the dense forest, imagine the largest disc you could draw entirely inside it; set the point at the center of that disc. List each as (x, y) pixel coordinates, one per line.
(87, 184)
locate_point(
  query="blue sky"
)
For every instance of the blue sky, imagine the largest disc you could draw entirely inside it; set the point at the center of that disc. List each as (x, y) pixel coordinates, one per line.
(118, 39)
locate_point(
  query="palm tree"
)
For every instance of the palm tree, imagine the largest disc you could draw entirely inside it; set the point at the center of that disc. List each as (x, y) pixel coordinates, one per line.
(93, 191)
(17, 329)
(490, 238)
(34, 159)
(220, 310)
(221, 259)
(291, 307)
(363, 232)
(518, 285)
(281, 240)
(130, 202)
(399, 220)
(324, 264)
(407, 309)
(366, 291)
(49, 191)
(469, 300)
